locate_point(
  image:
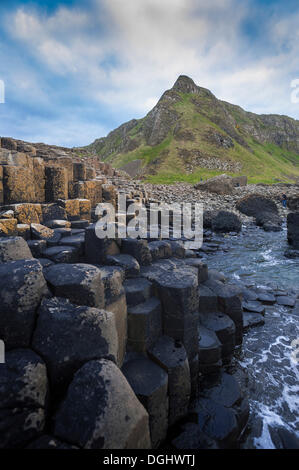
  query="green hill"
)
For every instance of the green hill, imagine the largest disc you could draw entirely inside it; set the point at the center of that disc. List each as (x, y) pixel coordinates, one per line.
(191, 134)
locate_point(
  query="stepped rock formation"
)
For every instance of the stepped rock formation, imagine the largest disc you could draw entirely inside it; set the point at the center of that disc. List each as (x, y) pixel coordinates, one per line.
(107, 340)
(190, 129)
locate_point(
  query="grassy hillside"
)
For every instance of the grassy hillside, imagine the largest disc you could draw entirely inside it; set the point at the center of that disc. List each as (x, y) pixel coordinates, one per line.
(190, 134)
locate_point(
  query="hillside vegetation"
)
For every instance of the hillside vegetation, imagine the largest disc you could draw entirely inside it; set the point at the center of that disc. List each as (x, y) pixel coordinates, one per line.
(190, 135)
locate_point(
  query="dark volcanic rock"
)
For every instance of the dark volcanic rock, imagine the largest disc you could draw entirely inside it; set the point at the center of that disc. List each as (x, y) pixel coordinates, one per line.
(41, 232)
(137, 291)
(37, 247)
(226, 221)
(62, 254)
(293, 203)
(283, 439)
(150, 384)
(115, 301)
(177, 287)
(19, 299)
(144, 325)
(138, 249)
(49, 442)
(160, 250)
(218, 422)
(286, 301)
(224, 328)
(101, 411)
(292, 254)
(97, 249)
(13, 249)
(80, 283)
(251, 319)
(171, 356)
(229, 302)
(209, 346)
(270, 221)
(221, 184)
(256, 204)
(293, 230)
(221, 410)
(208, 300)
(53, 212)
(201, 267)
(130, 264)
(77, 241)
(67, 336)
(208, 217)
(23, 393)
(192, 437)
(254, 307)
(267, 299)
(80, 224)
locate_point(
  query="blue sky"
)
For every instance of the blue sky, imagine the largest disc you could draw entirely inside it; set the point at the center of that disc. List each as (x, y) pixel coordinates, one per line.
(74, 70)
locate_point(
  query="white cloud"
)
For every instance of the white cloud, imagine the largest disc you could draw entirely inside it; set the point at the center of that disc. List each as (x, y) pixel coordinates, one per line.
(123, 55)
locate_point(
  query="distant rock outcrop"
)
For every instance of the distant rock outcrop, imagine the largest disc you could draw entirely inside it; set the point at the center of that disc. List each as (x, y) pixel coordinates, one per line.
(222, 184)
(189, 128)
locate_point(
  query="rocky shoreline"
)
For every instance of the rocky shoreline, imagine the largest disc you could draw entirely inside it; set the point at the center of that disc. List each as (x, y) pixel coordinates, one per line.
(116, 343)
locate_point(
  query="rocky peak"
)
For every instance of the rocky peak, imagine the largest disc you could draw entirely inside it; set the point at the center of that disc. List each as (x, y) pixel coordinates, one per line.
(185, 84)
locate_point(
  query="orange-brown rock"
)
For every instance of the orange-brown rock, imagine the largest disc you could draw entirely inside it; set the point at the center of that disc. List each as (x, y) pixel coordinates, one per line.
(39, 179)
(53, 212)
(18, 185)
(23, 230)
(62, 160)
(90, 173)
(91, 190)
(85, 209)
(8, 227)
(79, 171)
(26, 148)
(72, 208)
(27, 213)
(109, 194)
(56, 183)
(8, 143)
(41, 232)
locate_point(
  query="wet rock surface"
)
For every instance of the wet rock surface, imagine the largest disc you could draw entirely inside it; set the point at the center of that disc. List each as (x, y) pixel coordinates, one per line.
(23, 389)
(13, 249)
(100, 401)
(80, 283)
(19, 299)
(61, 336)
(91, 306)
(150, 384)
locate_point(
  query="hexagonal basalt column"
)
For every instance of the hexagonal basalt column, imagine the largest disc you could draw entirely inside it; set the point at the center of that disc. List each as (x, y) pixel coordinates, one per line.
(23, 393)
(68, 335)
(171, 356)
(150, 383)
(22, 286)
(101, 411)
(144, 325)
(80, 283)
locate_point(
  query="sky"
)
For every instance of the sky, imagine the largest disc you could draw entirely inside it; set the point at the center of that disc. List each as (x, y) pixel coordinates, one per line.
(75, 70)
